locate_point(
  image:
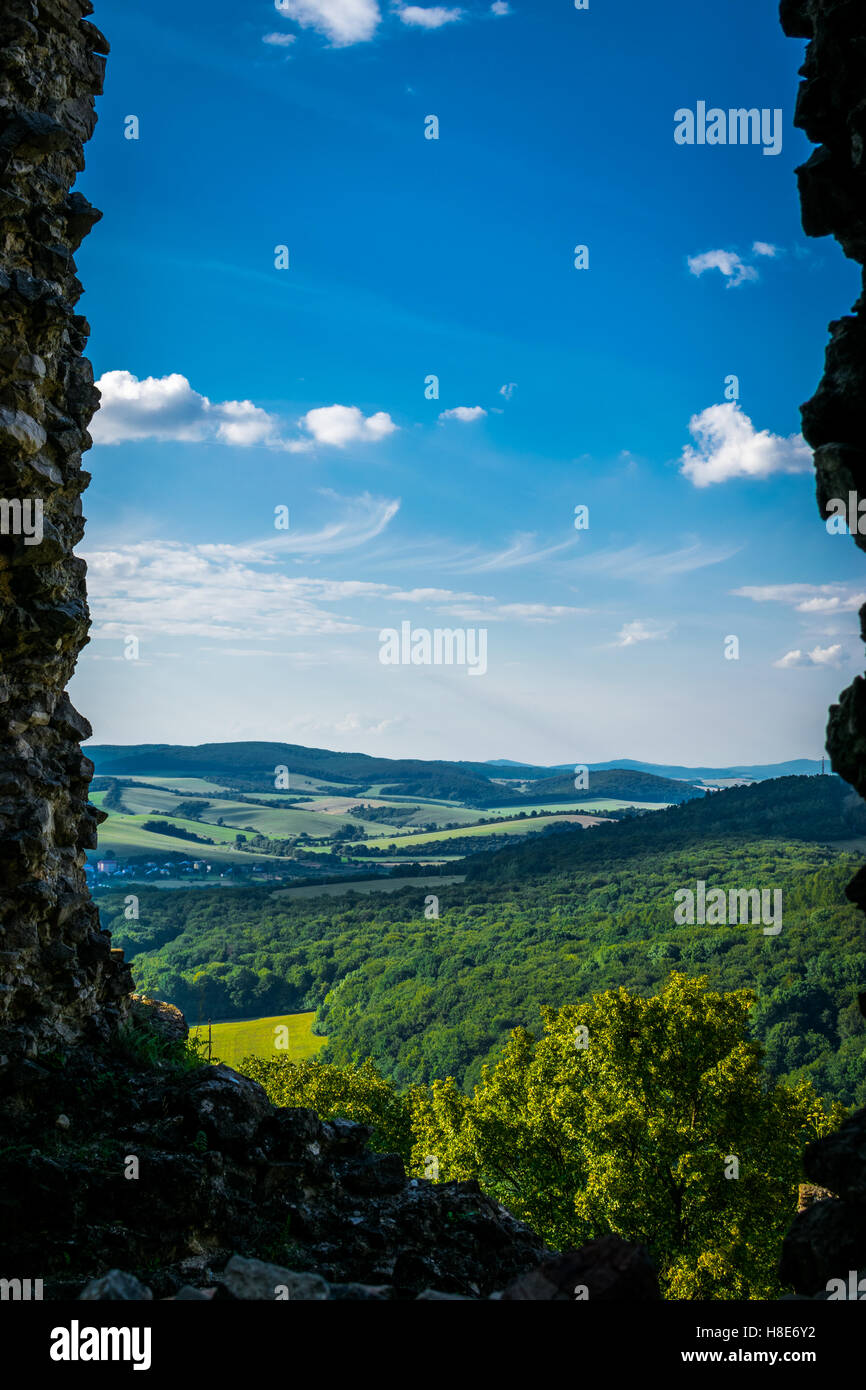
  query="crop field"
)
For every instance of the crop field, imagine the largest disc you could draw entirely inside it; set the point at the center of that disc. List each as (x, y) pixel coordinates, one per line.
(503, 827)
(320, 819)
(258, 1037)
(187, 786)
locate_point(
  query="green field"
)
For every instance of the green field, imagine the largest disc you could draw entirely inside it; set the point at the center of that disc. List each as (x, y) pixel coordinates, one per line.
(503, 827)
(159, 797)
(257, 1037)
(186, 785)
(124, 835)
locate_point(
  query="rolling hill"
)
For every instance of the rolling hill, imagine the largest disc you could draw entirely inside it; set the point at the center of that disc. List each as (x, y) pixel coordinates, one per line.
(249, 767)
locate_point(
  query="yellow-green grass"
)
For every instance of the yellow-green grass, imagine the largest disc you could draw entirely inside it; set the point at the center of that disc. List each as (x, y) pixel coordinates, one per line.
(501, 827)
(125, 835)
(276, 822)
(258, 1037)
(186, 785)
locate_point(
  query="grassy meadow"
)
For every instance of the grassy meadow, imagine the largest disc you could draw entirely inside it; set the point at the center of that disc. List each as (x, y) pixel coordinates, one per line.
(258, 1037)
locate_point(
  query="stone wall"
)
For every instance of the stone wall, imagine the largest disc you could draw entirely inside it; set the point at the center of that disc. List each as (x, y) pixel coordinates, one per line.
(828, 1240)
(58, 980)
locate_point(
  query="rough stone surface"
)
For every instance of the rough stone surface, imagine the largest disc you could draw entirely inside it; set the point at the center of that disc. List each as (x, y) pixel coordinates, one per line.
(58, 982)
(115, 1285)
(220, 1172)
(256, 1279)
(163, 1019)
(606, 1269)
(828, 1238)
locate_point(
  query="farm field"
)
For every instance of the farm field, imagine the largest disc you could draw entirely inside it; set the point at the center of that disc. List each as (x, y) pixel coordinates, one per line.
(510, 827)
(368, 885)
(186, 785)
(256, 1037)
(158, 797)
(124, 835)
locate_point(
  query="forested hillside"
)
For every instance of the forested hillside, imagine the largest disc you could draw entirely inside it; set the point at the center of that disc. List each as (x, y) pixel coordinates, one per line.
(820, 809)
(546, 925)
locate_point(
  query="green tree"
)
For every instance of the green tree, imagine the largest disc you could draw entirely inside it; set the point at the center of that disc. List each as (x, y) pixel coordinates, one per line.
(357, 1093)
(650, 1118)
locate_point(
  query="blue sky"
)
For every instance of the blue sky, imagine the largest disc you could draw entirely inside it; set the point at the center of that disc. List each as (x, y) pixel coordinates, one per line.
(232, 387)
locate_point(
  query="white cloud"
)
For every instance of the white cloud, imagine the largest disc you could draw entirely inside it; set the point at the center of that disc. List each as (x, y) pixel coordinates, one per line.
(735, 270)
(818, 656)
(642, 630)
(764, 248)
(508, 389)
(239, 594)
(806, 598)
(340, 425)
(729, 446)
(167, 408)
(464, 413)
(279, 40)
(500, 7)
(342, 21)
(432, 18)
(180, 591)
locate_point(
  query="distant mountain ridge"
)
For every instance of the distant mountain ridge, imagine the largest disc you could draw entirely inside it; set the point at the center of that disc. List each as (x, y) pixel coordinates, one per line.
(760, 772)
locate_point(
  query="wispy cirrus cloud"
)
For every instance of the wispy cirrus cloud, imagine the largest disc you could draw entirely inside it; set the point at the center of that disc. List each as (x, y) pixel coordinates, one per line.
(727, 445)
(226, 592)
(806, 598)
(638, 561)
(642, 630)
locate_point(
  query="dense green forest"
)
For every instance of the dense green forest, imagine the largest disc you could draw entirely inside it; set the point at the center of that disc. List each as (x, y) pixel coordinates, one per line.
(543, 925)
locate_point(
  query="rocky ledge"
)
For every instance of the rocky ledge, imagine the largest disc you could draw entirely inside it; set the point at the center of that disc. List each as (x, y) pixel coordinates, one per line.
(155, 1181)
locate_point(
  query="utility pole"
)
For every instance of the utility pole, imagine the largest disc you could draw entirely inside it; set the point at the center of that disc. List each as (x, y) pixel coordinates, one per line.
(209, 1035)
